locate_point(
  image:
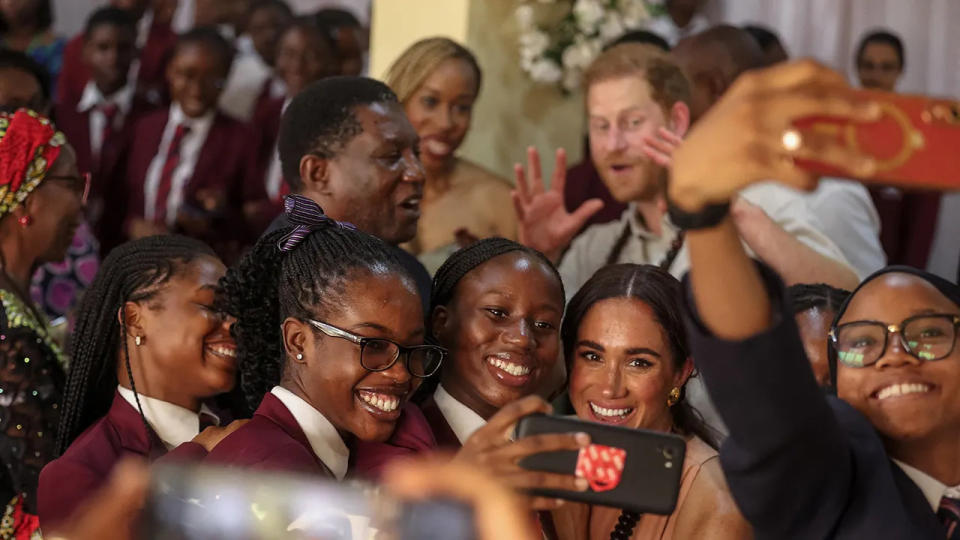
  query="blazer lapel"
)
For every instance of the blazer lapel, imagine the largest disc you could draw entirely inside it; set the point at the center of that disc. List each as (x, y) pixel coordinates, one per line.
(274, 410)
(442, 431)
(916, 505)
(134, 435)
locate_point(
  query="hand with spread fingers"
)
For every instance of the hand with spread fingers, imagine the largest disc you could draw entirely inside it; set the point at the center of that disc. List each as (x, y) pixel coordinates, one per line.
(492, 449)
(543, 221)
(748, 136)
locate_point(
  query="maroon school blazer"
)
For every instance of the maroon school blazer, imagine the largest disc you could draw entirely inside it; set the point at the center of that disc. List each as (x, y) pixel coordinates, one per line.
(413, 435)
(446, 438)
(271, 440)
(66, 482)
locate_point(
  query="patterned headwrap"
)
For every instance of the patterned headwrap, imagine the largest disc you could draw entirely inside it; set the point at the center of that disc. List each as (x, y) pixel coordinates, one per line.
(306, 216)
(29, 144)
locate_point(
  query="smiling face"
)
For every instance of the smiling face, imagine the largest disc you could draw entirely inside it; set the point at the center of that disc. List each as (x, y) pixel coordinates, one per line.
(378, 304)
(440, 110)
(188, 353)
(622, 112)
(904, 398)
(622, 369)
(502, 330)
(376, 180)
(304, 56)
(196, 75)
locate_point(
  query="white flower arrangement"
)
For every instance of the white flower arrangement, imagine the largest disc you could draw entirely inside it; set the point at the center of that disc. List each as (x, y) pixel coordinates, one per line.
(559, 53)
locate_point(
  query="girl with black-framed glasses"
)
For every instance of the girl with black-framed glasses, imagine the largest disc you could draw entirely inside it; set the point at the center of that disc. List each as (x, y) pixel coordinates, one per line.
(331, 344)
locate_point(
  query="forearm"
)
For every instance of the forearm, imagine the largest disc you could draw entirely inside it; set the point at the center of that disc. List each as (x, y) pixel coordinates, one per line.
(795, 261)
(727, 287)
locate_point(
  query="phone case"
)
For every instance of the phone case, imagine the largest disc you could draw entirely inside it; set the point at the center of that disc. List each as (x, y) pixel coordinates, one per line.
(633, 469)
(914, 142)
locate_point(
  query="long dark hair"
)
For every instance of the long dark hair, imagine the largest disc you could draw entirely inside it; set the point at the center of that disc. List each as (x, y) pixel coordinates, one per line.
(661, 292)
(133, 272)
(305, 282)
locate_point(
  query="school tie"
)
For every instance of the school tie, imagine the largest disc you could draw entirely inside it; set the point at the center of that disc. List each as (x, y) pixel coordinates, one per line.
(109, 111)
(949, 514)
(166, 174)
(207, 420)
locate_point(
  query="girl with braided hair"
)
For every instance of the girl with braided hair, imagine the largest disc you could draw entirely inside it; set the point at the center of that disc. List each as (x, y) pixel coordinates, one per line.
(150, 348)
(330, 338)
(814, 308)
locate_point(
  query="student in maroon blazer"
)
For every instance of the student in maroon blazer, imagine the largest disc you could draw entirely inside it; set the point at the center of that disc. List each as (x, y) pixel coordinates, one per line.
(187, 165)
(304, 55)
(101, 120)
(155, 38)
(330, 337)
(150, 350)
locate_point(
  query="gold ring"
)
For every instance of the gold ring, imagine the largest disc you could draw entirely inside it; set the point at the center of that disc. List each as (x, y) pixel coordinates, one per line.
(791, 140)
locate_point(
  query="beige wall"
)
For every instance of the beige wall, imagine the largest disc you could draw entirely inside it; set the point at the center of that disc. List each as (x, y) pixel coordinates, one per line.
(511, 113)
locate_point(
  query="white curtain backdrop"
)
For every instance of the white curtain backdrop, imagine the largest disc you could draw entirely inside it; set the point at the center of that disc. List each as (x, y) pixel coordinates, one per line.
(829, 30)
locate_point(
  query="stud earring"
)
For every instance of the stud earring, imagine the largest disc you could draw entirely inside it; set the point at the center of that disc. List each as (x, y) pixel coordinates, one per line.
(137, 341)
(25, 221)
(673, 397)
(299, 356)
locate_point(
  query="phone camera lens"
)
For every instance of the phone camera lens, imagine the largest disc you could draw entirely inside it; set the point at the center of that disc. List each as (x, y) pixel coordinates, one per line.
(667, 452)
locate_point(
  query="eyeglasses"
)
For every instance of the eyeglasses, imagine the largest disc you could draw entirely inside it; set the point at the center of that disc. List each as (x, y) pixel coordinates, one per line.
(925, 337)
(80, 184)
(379, 354)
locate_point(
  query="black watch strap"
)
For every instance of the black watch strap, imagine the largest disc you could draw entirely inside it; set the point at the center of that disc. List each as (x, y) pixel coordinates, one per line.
(709, 216)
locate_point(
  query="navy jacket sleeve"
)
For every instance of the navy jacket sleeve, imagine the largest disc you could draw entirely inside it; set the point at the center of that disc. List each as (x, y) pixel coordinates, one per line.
(787, 460)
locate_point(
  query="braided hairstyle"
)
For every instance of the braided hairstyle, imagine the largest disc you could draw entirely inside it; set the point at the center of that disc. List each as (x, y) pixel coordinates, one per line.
(805, 297)
(662, 293)
(133, 272)
(307, 282)
(454, 269)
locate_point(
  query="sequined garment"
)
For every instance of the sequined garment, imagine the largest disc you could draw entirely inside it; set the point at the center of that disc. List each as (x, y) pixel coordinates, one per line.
(31, 383)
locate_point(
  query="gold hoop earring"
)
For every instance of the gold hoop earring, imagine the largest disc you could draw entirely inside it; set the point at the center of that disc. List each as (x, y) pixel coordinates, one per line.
(137, 340)
(673, 397)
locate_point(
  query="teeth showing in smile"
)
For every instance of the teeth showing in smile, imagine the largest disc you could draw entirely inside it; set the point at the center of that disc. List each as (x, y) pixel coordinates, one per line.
(603, 411)
(223, 351)
(902, 389)
(514, 369)
(384, 402)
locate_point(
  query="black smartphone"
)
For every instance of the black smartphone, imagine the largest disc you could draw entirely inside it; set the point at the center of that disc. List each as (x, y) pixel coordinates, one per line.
(191, 502)
(632, 469)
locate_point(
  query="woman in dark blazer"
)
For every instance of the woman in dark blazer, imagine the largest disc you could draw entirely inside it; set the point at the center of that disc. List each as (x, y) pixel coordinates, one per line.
(150, 349)
(879, 460)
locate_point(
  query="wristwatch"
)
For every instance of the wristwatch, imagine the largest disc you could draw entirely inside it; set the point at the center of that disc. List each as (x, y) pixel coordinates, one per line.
(707, 217)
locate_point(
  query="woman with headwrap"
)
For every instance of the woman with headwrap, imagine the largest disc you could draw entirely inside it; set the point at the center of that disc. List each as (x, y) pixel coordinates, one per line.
(41, 199)
(881, 459)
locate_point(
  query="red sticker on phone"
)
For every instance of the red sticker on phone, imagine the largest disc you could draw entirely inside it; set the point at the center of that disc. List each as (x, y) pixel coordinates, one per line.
(602, 466)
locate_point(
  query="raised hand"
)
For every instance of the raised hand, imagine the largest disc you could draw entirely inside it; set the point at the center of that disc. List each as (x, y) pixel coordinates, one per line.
(491, 449)
(740, 141)
(660, 148)
(543, 222)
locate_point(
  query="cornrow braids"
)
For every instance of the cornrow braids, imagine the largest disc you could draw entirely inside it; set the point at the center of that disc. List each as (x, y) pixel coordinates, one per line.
(133, 272)
(464, 260)
(456, 267)
(307, 282)
(816, 296)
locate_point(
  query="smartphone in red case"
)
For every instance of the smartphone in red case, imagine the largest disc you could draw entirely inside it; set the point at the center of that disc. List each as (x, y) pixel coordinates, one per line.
(632, 469)
(915, 142)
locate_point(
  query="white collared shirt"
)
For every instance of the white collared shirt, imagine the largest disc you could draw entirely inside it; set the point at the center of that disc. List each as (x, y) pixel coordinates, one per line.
(933, 489)
(172, 423)
(324, 440)
(462, 419)
(275, 174)
(190, 148)
(92, 100)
